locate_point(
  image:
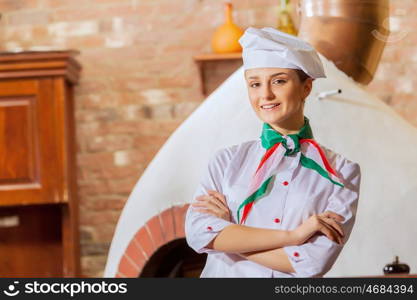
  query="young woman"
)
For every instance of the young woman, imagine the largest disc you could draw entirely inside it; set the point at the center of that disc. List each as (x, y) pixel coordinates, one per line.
(282, 205)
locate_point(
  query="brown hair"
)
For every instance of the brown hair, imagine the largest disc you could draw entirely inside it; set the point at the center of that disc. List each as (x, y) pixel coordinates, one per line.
(302, 75)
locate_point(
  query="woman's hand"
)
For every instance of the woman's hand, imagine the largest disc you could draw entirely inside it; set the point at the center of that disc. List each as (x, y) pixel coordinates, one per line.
(214, 204)
(325, 223)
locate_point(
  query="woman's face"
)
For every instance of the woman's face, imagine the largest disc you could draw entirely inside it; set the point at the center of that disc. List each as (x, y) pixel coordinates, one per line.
(278, 86)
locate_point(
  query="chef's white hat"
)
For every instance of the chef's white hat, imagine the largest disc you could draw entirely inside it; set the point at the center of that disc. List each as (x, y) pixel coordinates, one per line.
(271, 48)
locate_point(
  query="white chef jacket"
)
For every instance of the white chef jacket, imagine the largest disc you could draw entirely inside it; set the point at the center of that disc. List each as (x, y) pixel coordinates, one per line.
(295, 194)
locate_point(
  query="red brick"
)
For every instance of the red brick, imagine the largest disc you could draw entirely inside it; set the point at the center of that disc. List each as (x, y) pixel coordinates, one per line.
(93, 3)
(88, 41)
(128, 268)
(120, 275)
(179, 217)
(134, 83)
(168, 226)
(92, 188)
(132, 98)
(183, 110)
(105, 232)
(91, 86)
(122, 127)
(182, 80)
(146, 127)
(122, 186)
(135, 254)
(103, 202)
(93, 160)
(71, 14)
(39, 33)
(147, 141)
(109, 143)
(17, 5)
(28, 18)
(144, 240)
(154, 227)
(62, 3)
(131, 171)
(99, 218)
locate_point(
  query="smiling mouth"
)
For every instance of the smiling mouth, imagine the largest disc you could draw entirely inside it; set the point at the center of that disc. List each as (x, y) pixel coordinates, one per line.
(269, 107)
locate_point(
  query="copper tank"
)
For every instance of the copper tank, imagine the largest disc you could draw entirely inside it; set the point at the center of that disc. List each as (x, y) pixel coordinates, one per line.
(351, 33)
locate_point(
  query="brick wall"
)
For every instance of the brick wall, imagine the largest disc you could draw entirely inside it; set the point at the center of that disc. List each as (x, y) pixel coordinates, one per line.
(139, 83)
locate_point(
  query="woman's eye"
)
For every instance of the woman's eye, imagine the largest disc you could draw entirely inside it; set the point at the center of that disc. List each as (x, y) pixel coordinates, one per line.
(255, 84)
(279, 81)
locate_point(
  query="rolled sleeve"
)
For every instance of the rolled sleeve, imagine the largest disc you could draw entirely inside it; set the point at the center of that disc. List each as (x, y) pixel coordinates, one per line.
(316, 257)
(201, 228)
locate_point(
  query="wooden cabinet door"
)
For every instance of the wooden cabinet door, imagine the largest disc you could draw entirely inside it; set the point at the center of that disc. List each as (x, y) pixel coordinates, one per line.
(31, 159)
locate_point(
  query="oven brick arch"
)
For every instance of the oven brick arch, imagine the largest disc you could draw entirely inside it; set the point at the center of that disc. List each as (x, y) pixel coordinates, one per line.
(158, 231)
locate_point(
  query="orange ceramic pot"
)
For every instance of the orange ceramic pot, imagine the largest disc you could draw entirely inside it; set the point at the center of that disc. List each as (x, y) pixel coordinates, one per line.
(226, 37)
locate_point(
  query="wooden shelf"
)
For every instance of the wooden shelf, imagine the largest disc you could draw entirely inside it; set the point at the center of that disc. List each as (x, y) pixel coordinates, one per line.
(201, 59)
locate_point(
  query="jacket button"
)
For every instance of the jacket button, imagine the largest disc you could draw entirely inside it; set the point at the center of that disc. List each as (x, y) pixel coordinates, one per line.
(277, 220)
(209, 228)
(296, 254)
(285, 183)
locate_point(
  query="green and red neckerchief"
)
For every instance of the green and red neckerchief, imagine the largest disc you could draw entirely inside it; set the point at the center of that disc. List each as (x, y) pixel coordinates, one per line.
(271, 141)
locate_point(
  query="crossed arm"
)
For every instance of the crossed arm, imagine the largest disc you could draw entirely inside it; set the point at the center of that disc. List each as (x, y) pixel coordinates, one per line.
(264, 246)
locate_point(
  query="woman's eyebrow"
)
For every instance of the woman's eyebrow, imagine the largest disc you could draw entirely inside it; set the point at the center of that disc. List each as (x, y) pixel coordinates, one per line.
(280, 73)
(273, 75)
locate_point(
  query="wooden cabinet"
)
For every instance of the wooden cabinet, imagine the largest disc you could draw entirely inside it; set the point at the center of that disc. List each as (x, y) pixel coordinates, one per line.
(38, 193)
